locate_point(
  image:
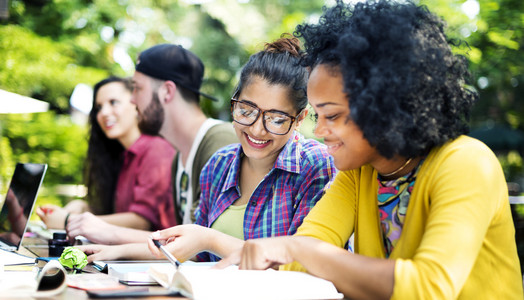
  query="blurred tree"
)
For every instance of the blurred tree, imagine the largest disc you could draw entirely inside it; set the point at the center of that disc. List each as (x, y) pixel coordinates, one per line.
(43, 138)
(499, 69)
(51, 139)
(6, 163)
(88, 27)
(41, 68)
(494, 32)
(49, 46)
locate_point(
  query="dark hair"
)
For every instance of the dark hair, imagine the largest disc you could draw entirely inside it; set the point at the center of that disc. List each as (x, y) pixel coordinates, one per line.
(406, 88)
(279, 64)
(187, 94)
(103, 162)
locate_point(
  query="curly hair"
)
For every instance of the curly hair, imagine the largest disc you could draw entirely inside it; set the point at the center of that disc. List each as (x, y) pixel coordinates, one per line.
(406, 89)
(103, 161)
(279, 63)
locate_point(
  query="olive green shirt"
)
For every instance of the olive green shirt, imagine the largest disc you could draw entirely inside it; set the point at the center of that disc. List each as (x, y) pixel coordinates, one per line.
(215, 138)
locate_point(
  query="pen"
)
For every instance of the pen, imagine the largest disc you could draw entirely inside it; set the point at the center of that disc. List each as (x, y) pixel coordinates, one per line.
(169, 256)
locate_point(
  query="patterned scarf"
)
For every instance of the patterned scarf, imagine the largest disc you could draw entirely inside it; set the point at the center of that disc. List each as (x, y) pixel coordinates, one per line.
(393, 200)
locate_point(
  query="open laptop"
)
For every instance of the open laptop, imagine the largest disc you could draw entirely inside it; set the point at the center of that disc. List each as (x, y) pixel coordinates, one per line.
(18, 204)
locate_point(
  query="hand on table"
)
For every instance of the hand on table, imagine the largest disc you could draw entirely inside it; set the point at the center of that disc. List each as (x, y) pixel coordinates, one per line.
(103, 252)
(183, 241)
(259, 254)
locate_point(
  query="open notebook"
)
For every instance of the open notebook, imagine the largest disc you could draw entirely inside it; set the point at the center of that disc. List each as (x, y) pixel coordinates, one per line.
(18, 204)
(199, 283)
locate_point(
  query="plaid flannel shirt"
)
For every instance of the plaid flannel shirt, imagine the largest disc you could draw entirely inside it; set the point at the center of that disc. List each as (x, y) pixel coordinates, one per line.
(282, 199)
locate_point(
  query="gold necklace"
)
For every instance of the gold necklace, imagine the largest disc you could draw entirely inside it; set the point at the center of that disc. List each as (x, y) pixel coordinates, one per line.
(399, 169)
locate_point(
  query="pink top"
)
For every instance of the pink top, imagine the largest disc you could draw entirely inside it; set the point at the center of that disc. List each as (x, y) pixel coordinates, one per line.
(144, 183)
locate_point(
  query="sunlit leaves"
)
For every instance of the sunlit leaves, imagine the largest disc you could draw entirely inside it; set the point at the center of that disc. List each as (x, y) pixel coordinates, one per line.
(40, 67)
(504, 39)
(47, 138)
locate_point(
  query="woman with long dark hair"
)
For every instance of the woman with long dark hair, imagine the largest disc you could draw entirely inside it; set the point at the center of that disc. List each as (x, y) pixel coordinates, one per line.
(127, 173)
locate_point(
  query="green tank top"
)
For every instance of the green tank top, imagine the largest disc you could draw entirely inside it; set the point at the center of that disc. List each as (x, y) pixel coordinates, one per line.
(231, 221)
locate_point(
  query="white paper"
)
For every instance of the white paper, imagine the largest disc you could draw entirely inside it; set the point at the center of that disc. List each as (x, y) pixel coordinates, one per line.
(231, 283)
(8, 258)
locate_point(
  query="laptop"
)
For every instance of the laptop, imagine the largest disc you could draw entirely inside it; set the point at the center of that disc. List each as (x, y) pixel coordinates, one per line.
(18, 204)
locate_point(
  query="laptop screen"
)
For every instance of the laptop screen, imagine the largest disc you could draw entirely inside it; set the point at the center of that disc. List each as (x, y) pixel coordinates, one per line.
(19, 201)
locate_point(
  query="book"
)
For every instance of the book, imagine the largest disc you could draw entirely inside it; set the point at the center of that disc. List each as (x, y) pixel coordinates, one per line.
(103, 265)
(133, 292)
(129, 272)
(203, 283)
(49, 281)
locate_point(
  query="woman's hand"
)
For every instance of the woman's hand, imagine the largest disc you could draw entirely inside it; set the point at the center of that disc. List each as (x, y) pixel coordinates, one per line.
(183, 241)
(115, 252)
(260, 254)
(53, 216)
(102, 252)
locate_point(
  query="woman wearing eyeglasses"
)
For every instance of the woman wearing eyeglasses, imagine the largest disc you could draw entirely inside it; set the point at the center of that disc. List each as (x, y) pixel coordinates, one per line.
(265, 185)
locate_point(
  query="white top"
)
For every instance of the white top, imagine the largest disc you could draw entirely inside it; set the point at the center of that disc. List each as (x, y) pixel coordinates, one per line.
(188, 168)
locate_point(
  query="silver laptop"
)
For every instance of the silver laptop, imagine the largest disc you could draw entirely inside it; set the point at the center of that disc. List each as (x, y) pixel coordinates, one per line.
(18, 204)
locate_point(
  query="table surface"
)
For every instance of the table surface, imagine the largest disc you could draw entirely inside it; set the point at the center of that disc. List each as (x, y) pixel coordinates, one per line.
(35, 247)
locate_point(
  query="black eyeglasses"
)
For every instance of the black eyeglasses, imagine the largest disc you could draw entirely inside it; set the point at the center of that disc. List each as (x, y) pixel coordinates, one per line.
(274, 121)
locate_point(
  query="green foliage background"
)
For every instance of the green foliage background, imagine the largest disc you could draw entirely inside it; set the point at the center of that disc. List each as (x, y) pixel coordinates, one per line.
(47, 47)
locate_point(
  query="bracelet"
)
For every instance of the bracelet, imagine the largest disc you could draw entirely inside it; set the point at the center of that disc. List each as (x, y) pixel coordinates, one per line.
(65, 222)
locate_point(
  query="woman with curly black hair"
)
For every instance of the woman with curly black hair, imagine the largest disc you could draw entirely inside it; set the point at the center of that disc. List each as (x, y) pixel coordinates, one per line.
(428, 206)
(127, 174)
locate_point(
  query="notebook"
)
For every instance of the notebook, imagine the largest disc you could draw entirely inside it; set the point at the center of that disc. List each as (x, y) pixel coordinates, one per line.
(18, 204)
(129, 272)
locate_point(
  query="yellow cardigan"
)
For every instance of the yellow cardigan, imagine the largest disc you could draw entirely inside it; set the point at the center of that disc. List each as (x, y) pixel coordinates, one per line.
(458, 239)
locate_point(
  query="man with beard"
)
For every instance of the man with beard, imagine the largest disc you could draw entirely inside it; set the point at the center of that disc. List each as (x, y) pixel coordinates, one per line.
(166, 92)
(167, 84)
